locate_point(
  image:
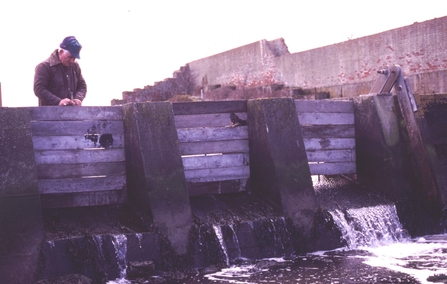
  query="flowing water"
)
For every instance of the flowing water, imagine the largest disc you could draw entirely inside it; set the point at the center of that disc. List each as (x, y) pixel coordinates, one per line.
(378, 251)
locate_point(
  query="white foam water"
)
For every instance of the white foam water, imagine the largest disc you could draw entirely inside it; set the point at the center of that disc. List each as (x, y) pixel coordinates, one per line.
(120, 245)
(369, 226)
(218, 231)
(378, 231)
(420, 258)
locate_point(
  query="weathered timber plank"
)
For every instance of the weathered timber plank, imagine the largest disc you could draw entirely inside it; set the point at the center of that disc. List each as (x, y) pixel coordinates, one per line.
(197, 148)
(207, 175)
(76, 113)
(187, 108)
(421, 158)
(74, 142)
(329, 143)
(47, 186)
(332, 168)
(215, 161)
(79, 156)
(205, 120)
(319, 106)
(212, 133)
(57, 171)
(79, 199)
(326, 118)
(217, 187)
(323, 131)
(329, 156)
(64, 128)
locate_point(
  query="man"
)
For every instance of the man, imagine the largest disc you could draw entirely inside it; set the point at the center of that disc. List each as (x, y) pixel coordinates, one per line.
(58, 80)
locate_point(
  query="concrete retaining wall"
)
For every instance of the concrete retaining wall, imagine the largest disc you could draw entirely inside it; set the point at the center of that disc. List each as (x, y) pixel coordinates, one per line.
(21, 227)
(344, 69)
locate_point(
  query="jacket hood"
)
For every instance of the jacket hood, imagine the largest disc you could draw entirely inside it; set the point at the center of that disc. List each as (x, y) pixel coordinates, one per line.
(54, 58)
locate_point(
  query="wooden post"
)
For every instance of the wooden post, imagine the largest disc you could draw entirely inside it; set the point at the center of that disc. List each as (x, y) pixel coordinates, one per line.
(422, 160)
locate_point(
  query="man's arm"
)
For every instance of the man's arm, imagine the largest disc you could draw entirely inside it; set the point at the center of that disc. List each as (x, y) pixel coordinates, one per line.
(41, 82)
(81, 87)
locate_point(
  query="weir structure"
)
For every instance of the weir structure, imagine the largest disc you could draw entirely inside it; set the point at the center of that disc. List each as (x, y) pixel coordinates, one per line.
(158, 156)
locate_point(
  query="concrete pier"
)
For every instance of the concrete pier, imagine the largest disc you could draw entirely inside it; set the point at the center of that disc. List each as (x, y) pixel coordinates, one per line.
(155, 175)
(279, 167)
(21, 227)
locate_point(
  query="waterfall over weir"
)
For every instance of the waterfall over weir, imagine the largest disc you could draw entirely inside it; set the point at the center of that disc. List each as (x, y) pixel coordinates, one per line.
(360, 227)
(229, 234)
(369, 226)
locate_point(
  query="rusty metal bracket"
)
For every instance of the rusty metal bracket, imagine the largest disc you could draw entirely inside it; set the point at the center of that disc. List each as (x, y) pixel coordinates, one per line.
(393, 76)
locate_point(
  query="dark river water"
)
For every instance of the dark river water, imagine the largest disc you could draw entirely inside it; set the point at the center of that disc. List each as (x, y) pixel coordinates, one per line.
(378, 251)
(410, 261)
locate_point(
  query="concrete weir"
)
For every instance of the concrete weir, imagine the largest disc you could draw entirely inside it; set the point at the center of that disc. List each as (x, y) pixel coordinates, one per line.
(253, 158)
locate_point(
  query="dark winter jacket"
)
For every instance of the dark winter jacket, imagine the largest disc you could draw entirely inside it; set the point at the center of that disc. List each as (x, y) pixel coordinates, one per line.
(53, 81)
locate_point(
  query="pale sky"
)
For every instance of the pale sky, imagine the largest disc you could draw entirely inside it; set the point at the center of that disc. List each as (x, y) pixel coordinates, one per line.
(129, 44)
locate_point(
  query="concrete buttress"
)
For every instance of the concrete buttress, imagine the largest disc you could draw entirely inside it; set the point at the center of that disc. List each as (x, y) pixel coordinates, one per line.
(21, 225)
(279, 169)
(155, 175)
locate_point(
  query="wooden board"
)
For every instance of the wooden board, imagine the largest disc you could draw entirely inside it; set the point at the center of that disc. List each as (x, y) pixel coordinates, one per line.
(325, 118)
(79, 128)
(217, 187)
(215, 161)
(333, 131)
(57, 171)
(230, 146)
(79, 199)
(212, 134)
(320, 106)
(217, 174)
(79, 156)
(73, 142)
(76, 113)
(332, 168)
(205, 120)
(329, 156)
(47, 186)
(187, 108)
(329, 143)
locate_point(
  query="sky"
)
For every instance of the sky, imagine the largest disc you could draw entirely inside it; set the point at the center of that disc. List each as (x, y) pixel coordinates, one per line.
(129, 44)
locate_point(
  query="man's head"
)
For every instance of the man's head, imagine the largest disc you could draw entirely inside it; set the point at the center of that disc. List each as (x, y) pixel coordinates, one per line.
(71, 44)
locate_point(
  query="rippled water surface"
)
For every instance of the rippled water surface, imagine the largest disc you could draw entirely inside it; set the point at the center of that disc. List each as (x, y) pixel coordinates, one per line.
(412, 261)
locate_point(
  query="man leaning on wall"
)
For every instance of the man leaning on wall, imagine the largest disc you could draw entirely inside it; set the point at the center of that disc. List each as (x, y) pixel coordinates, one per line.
(58, 80)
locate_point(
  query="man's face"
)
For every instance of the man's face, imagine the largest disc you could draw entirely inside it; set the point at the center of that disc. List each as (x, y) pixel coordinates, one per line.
(66, 58)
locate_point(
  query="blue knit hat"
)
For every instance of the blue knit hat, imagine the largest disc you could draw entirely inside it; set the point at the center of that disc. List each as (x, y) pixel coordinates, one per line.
(71, 44)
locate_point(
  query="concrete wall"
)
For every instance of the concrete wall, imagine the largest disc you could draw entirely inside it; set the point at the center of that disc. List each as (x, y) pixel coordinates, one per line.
(345, 69)
(20, 212)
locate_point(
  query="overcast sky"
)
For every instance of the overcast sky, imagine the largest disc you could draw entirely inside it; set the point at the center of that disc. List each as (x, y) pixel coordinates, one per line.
(133, 43)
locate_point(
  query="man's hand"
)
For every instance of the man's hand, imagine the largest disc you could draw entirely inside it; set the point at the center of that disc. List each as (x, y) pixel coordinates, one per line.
(65, 102)
(76, 102)
(68, 102)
